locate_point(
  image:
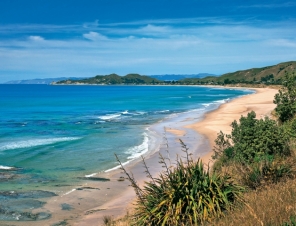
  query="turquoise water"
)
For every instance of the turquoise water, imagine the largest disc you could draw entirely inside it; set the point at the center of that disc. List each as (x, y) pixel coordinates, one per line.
(53, 135)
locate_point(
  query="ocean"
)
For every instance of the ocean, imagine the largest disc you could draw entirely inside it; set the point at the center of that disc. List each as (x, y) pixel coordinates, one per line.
(53, 135)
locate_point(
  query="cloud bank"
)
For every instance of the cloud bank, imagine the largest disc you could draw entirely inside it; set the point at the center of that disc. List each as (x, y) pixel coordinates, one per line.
(189, 45)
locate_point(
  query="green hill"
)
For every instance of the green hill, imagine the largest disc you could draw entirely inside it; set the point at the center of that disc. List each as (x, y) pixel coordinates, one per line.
(270, 75)
(265, 75)
(114, 79)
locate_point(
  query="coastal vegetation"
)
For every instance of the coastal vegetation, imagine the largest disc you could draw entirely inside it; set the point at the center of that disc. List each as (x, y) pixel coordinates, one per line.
(270, 75)
(252, 181)
(184, 194)
(114, 79)
(256, 77)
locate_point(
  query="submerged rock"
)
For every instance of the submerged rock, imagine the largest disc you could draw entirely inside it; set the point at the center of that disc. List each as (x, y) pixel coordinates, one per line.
(17, 206)
(6, 176)
(70, 169)
(85, 188)
(22, 216)
(94, 178)
(21, 204)
(27, 194)
(66, 206)
(61, 223)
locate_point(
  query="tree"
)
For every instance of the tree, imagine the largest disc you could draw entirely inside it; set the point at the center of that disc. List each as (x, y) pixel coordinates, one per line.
(286, 98)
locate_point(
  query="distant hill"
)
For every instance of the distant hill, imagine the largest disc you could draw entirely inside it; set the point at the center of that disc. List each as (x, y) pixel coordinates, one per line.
(265, 75)
(270, 75)
(174, 77)
(41, 81)
(113, 79)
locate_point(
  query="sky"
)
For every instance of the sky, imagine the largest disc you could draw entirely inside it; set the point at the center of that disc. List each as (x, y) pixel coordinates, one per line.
(74, 38)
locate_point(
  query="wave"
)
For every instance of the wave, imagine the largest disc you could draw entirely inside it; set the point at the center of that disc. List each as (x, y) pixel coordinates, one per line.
(123, 114)
(163, 111)
(221, 101)
(109, 116)
(6, 167)
(35, 142)
(90, 175)
(139, 150)
(134, 152)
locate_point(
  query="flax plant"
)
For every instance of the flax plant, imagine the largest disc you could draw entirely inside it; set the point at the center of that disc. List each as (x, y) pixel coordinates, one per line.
(186, 194)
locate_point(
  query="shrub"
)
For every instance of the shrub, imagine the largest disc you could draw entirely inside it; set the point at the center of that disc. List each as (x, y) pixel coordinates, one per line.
(286, 98)
(186, 194)
(252, 139)
(290, 127)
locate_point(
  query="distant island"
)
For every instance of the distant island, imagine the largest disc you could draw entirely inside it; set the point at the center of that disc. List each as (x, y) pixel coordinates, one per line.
(41, 81)
(270, 75)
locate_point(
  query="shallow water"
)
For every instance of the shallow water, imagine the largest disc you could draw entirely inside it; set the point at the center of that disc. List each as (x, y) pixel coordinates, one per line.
(51, 137)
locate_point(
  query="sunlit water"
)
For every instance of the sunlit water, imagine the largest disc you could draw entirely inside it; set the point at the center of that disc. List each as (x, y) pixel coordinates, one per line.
(53, 135)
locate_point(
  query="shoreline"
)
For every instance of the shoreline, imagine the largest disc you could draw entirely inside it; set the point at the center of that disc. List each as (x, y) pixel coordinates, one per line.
(208, 126)
(220, 119)
(114, 198)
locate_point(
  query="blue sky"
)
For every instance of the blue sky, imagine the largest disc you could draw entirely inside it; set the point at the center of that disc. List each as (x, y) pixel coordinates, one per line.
(45, 39)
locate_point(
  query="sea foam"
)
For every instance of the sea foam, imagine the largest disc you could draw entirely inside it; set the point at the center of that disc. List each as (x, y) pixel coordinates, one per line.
(34, 142)
(6, 167)
(109, 117)
(134, 152)
(139, 150)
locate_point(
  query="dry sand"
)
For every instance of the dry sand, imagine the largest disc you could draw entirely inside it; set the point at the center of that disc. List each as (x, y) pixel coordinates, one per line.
(220, 120)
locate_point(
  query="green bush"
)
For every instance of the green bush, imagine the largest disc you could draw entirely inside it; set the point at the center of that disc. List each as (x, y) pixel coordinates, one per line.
(186, 194)
(252, 139)
(286, 98)
(290, 127)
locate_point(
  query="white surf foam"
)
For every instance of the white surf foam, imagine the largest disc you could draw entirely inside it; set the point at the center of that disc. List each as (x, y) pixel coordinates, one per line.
(134, 152)
(6, 167)
(91, 175)
(34, 142)
(109, 117)
(137, 151)
(117, 167)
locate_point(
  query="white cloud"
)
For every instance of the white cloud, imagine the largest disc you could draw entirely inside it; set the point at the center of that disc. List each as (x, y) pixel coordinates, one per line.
(152, 29)
(36, 38)
(150, 48)
(94, 36)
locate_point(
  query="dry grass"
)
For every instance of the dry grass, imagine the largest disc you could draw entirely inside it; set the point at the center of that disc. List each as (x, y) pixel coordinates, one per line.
(272, 205)
(124, 221)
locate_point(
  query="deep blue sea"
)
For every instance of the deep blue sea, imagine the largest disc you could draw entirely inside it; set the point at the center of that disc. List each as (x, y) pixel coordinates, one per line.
(55, 134)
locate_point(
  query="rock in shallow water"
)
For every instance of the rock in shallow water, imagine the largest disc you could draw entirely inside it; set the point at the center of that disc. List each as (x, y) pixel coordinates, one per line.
(17, 206)
(66, 206)
(28, 194)
(22, 216)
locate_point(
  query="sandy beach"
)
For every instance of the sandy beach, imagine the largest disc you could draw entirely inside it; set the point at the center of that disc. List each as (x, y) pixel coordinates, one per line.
(261, 102)
(94, 199)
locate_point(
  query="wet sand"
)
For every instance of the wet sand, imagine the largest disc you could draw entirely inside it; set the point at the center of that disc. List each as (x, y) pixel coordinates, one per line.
(92, 200)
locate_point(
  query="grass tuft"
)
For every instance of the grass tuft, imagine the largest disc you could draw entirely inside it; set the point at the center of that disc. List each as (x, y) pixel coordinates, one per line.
(186, 194)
